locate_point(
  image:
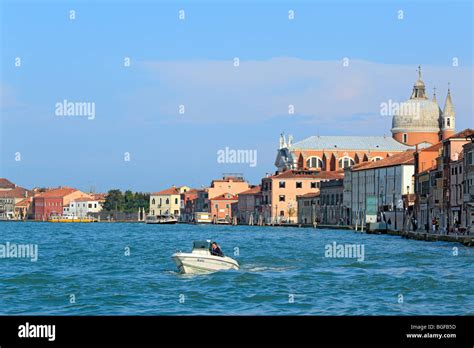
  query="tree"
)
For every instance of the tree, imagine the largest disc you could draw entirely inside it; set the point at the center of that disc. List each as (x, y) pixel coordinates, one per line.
(114, 201)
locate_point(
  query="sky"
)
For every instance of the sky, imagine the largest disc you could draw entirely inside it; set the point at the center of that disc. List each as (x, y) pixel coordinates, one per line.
(162, 119)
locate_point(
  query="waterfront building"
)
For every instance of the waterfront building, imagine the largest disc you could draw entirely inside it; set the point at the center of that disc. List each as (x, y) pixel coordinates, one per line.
(308, 208)
(376, 190)
(440, 178)
(82, 207)
(167, 202)
(456, 194)
(221, 207)
(202, 201)
(419, 120)
(24, 209)
(467, 212)
(331, 209)
(52, 202)
(450, 158)
(279, 192)
(9, 197)
(188, 205)
(6, 184)
(230, 183)
(249, 206)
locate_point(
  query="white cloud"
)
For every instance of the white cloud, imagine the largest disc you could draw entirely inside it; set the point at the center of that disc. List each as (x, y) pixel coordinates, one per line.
(326, 91)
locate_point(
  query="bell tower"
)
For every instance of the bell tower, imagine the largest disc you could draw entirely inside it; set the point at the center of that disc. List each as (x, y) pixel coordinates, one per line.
(447, 122)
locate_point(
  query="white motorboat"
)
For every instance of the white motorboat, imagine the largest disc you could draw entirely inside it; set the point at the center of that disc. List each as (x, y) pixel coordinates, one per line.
(160, 219)
(200, 260)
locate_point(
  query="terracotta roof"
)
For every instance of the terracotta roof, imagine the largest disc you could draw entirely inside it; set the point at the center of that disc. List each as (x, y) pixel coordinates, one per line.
(170, 191)
(58, 192)
(462, 134)
(309, 195)
(288, 174)
(6, 184)
(17, 192)
(395, 160)
(98, 196)
(252, 191)
(84, 199)
(24, 202)
(223, 197)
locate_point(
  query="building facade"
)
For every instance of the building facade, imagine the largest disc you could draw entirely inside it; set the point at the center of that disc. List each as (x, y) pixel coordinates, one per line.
(376, 190)
(52, 202)
(249, 206)
(167, 202)
(221, 207)
(331, 208)
(308, 208)
(82, 207)
(9, 198)
(279, 192)
(230, 183)
(467, 213)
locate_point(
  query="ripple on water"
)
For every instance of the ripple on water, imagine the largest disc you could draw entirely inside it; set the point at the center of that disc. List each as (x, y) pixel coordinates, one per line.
(276, 264)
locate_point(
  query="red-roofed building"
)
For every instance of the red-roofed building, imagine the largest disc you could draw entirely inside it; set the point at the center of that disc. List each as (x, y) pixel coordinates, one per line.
(167, 202)
(188, 205)
(9, 197)
(232, 184)
(221, 207)
(52, 202)
(6, 184)
(441, 186)
(279, 192)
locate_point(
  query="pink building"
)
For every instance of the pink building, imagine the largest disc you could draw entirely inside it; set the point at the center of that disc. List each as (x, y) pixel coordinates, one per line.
(221, 207)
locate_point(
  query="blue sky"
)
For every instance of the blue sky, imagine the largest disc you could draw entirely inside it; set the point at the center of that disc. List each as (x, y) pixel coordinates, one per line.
(190, 62)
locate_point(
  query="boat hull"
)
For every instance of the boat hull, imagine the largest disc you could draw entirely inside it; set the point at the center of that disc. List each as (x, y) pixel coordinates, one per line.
(161, 222)
(189, 263)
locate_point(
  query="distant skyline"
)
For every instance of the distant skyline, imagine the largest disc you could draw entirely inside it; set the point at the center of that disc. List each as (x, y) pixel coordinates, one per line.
(191, 62)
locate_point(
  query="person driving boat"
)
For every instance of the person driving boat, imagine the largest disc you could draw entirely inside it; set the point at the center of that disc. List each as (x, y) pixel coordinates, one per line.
(215, 250)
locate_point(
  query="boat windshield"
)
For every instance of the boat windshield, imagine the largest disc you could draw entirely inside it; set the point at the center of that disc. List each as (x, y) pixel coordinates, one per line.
(201, 244)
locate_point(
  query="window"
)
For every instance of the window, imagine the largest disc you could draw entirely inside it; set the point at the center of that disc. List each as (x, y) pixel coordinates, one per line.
(227, 206)
(299, 184)
(90, 205)
(153, 201)
(314, 162)
(375, 159)
(282, 213)
(282, 198)
(176, 201)
(460, 170)
(281, 184)
(345, 162)
(314, 184)
(167, 201)
(405, 137)
(448, 122)
(470, 157)
(217, 206)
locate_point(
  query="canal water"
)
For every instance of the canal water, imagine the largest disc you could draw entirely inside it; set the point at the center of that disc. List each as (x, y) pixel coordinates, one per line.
(126, 269)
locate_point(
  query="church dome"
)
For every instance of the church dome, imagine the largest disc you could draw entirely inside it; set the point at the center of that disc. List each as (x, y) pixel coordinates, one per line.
(418, 114)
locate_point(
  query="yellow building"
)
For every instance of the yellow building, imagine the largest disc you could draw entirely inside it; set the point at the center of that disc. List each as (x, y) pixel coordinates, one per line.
(167, 202)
